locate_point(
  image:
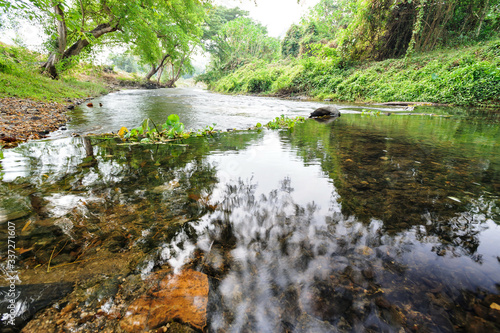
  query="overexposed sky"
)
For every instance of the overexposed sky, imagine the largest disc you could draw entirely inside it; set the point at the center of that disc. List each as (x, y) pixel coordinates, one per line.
(277, 15)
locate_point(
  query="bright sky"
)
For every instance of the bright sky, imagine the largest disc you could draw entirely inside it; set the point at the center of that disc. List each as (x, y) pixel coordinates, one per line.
(277, 15)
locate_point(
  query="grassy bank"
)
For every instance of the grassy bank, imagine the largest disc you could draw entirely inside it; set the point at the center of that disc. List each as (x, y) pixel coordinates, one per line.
(20, 77)
(461, 76)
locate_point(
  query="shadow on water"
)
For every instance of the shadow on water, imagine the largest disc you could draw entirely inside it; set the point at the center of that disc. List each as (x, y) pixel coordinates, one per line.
(365, 223)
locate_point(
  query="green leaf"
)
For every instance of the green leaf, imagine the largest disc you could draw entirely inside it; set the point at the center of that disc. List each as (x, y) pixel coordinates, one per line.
(173, 118)
(145, 126)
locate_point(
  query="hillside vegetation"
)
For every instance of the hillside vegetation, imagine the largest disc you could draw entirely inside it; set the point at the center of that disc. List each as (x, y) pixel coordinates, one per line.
(20, 77)
(460, 76)
(364, 51)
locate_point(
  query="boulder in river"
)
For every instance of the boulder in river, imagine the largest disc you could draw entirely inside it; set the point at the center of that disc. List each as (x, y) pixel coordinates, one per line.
(325, 111)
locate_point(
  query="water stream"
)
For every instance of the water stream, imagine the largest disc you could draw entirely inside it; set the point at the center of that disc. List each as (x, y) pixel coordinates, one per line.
(369, 223)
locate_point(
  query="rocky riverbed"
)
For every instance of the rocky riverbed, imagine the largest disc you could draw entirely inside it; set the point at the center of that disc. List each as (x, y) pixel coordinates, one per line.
(25, 119)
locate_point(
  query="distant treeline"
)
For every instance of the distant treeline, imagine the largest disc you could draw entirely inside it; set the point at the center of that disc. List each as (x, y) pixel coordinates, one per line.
(332, 44)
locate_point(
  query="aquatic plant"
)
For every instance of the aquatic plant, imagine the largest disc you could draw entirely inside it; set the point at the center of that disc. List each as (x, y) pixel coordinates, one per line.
(148, 132)
(284, 122)
(208, 130)
(173, 129)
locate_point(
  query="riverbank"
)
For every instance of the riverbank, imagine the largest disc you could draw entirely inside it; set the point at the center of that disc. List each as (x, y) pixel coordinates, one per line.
(465, 76)
(26, 119)
(33, 105)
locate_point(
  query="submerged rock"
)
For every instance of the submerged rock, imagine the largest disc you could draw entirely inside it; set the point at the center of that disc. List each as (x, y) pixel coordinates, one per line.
(182, 297)
(29, 299)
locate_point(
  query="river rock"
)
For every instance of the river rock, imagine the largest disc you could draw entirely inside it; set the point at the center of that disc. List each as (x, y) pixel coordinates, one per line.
(181, 297)
(29, 300)
(325, 111)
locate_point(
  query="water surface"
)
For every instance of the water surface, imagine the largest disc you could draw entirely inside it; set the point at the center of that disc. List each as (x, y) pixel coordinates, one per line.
(367, 223)
(197, 109)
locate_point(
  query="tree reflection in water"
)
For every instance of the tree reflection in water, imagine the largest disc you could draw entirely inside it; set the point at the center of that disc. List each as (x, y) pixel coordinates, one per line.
(277, 265)
(360, 234)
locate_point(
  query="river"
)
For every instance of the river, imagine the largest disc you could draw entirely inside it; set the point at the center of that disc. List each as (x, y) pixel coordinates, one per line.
(381, 220)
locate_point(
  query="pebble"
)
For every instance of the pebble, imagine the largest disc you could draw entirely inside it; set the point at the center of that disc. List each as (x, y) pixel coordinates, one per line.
(68, 308)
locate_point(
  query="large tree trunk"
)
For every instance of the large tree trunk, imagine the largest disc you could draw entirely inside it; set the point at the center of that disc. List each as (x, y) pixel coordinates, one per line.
(155, 69)
(76, 48)
(152, 72)
(171, 82)
(62, 35)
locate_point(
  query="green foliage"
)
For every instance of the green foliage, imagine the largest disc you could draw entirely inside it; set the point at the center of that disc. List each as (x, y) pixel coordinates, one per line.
(234, 40)
(169, 38)
(171, 130)
(290, 45)
(387, 28)
(19, 77)
(217, 17)
(16, 60)
(148, 132)
(331, 16)
(304, 40)
(258, 85)
(153, 27)
(284, 122)
(466, 76)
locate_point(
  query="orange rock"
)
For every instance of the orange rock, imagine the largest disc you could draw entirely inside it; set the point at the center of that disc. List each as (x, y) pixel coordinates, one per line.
(181, 297)
(90, 105)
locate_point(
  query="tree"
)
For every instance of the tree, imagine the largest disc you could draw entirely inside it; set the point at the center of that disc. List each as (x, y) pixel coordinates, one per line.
(331, 15)
(290, 45)
(217, 17)
(77, 25)
(242, 40)
(170, 38)
(382, 29)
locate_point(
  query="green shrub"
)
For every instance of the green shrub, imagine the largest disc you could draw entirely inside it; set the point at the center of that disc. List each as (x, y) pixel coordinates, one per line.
(258, 85)
(465, 76)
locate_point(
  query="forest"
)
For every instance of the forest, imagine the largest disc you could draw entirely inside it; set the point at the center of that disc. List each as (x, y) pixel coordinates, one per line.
(343, 50)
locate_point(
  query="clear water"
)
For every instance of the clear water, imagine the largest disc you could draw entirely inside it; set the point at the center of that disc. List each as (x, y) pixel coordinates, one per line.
(366, 223)
(197, 109)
